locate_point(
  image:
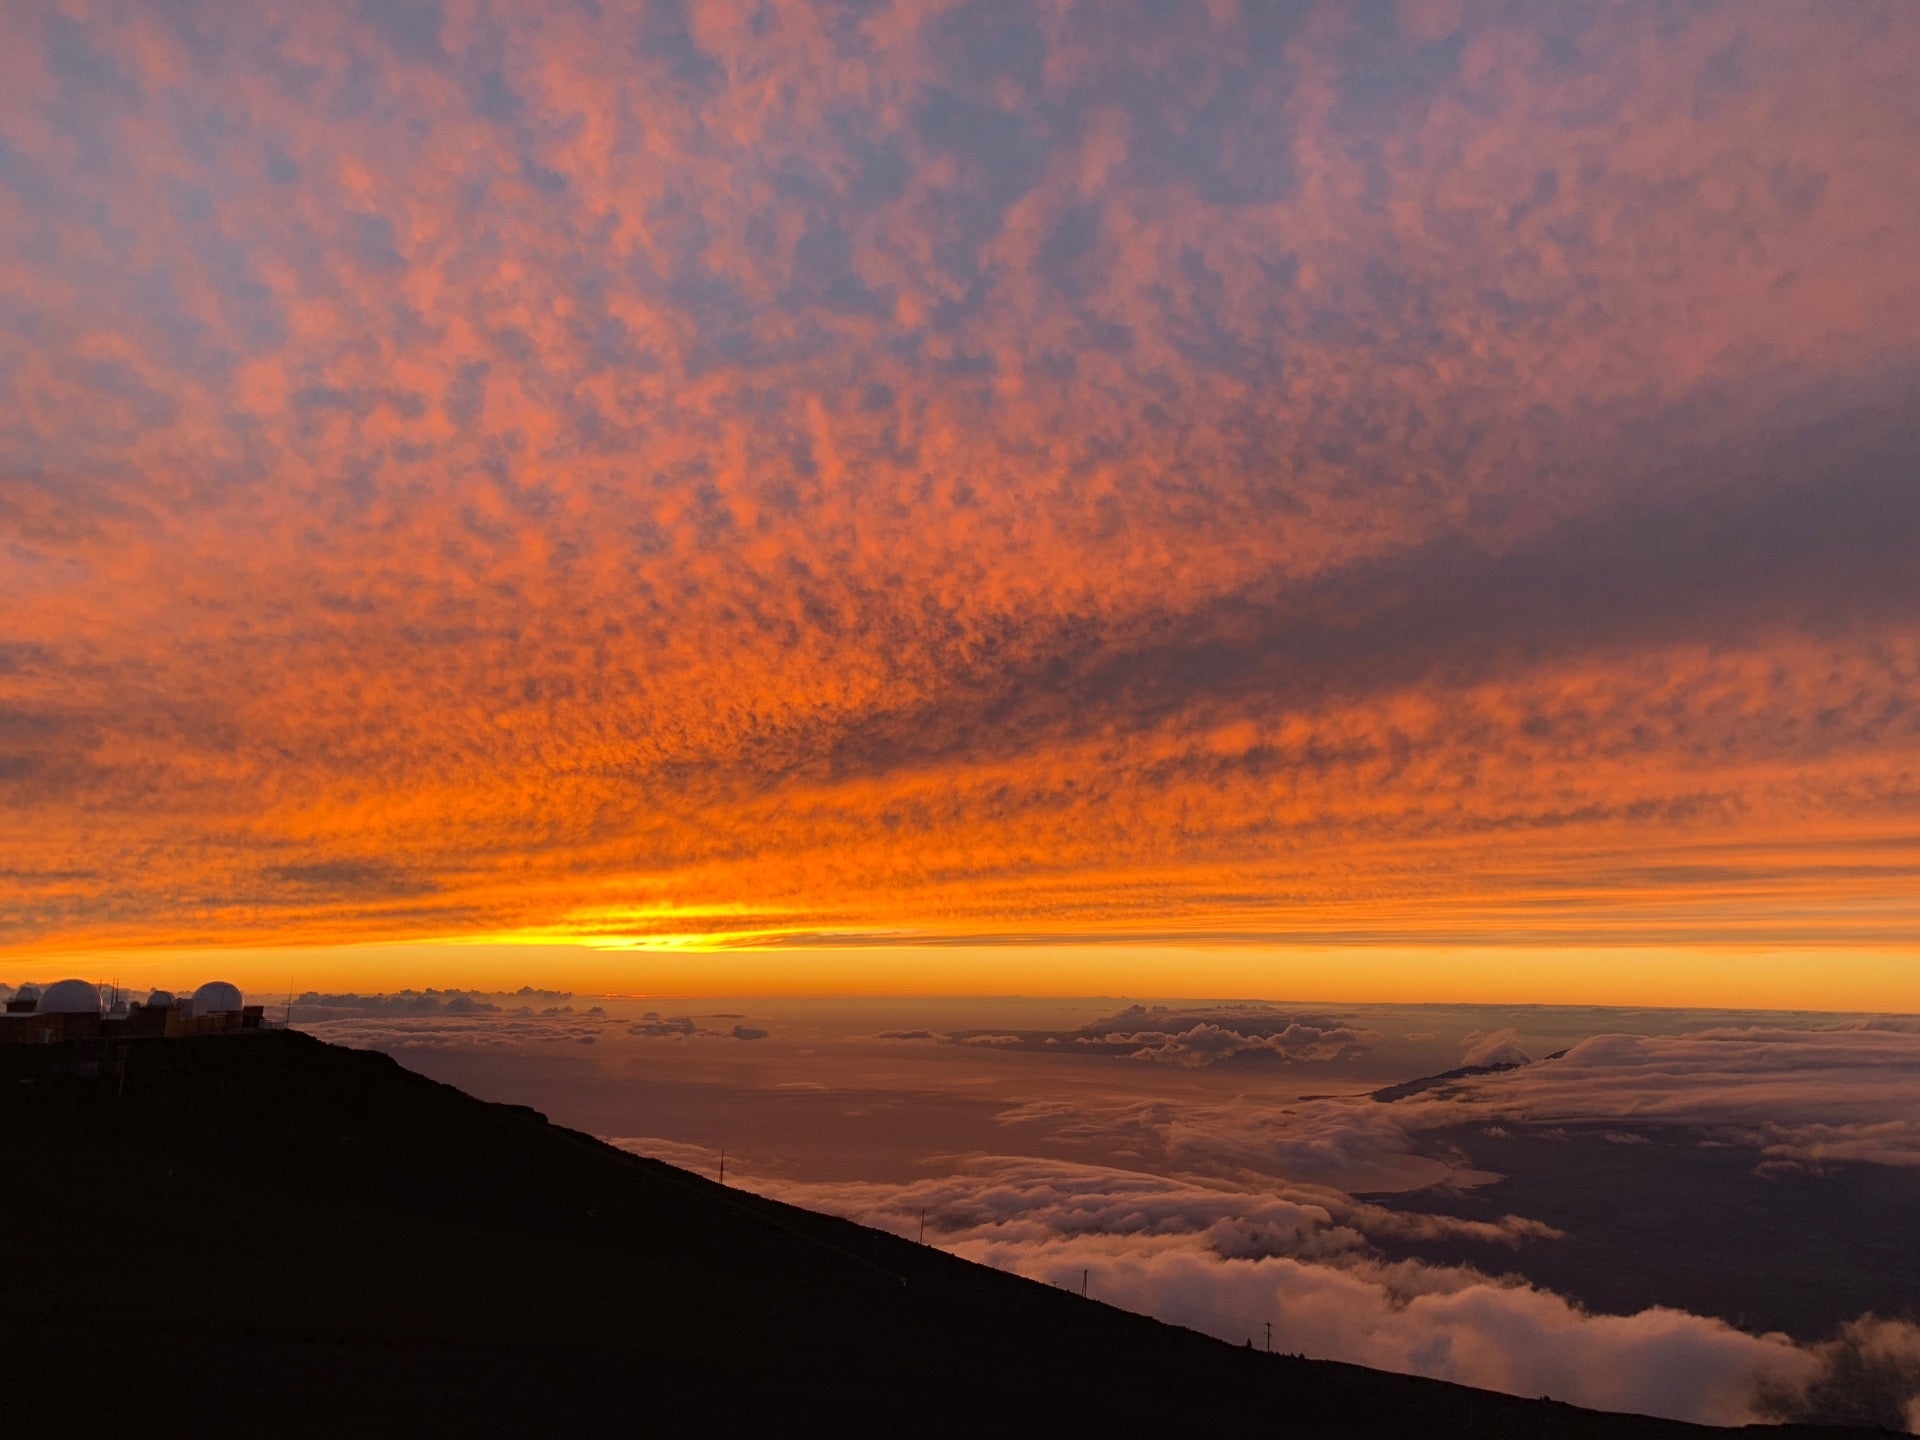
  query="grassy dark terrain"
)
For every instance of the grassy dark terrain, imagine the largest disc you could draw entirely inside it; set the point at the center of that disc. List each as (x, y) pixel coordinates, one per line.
(264, 1234)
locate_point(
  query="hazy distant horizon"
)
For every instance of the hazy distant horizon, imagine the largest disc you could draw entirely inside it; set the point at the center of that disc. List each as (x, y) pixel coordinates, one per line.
(1224, 1165)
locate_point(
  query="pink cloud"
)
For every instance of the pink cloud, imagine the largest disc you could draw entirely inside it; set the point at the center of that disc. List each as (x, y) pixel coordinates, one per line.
(906, 468)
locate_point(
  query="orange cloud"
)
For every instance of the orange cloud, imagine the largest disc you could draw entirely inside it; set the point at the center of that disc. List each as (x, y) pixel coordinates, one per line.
(915, 471)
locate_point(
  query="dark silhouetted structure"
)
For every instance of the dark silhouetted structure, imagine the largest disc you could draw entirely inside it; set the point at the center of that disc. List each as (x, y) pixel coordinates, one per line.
(428, 1264)
(74, 1010)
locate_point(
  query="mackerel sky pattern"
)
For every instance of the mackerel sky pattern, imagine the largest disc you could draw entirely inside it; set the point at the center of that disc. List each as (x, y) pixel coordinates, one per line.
(1412, 473)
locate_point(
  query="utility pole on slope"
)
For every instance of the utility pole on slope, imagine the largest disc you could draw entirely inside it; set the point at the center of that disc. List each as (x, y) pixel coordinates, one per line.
(1083, 1284)
(723, 1167)
(1269, 1337)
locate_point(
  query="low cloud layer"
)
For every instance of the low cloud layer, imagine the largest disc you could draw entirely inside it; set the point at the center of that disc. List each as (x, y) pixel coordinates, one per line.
(1805, 1097)
(315, 1005)
(472, 1019)
(1377, 1230)
(506, 1031)
(1801, 1097)
(1241, 1212)
(1502, 1047)
(1190, 1036)
(447, 1019)
(1867, 1375)
(655, 1026)
(1229, 1261)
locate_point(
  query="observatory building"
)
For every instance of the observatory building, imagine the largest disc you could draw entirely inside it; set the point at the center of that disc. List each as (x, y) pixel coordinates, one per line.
(216, 997)
(65, 1010)
(74, 1010)
(70, 997)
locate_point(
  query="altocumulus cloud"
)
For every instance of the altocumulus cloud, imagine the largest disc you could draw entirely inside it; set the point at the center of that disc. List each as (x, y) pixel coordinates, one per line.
(930, 468)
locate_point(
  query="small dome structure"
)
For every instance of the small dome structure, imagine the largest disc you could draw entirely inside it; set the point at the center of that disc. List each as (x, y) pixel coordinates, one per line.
(27, 992)
(70, 997)
(159, 999)
(216, 997)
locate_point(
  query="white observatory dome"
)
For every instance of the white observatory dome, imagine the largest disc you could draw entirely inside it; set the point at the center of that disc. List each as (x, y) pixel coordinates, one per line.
(159, 999)
(70, 997)
(215, 997)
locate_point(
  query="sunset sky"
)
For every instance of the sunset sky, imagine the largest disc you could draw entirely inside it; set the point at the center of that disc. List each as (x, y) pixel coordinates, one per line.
(1379, 501)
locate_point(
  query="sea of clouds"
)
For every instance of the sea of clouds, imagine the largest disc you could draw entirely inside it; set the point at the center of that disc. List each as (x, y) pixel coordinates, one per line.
(1218, 1207)
(504, 1020)
(1190, 1036)
(1245, 1214)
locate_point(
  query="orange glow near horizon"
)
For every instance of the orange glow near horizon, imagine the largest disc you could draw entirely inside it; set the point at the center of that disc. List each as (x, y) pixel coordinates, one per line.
(1851, 979)
(919, 499)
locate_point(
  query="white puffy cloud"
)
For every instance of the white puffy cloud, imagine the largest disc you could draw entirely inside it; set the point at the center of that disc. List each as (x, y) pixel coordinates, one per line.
(1207, 1041)
(456, 1020)
(1868, 1375)
(1350, 1145)
(701, 1159)
(1448, 1324)
(1501, 1047)
(654, 1026)
(1217, 1206)
(1252, 1218)
(1228, 1260)
(1805, 1097)
(486, 1031)
(1192, 1036)
(1808, 1096)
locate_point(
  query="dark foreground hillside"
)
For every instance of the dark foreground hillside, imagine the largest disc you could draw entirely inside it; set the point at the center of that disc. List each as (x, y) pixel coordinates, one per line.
(263, 1234)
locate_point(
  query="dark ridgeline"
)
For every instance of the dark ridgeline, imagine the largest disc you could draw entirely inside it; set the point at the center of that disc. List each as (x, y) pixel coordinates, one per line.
(262, 1234)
